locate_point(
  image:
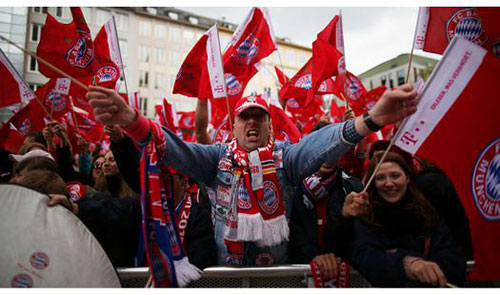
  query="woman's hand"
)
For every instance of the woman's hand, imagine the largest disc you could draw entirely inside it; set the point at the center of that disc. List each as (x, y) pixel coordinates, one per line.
(424, 271)
(356, 205)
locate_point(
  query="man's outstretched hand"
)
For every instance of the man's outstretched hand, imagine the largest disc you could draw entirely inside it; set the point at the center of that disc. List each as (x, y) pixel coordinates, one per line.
(109, 107)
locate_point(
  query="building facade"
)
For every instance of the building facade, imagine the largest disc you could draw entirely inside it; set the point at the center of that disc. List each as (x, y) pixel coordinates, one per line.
(392, 73)
(153, 44)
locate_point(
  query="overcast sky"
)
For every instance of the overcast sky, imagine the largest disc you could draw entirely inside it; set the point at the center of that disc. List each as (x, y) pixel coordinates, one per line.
(371, 35)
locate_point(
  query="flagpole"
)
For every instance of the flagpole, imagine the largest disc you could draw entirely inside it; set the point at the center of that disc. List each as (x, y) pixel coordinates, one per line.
(411, 53)
(229, 113)
(120, 52)
(62, 73)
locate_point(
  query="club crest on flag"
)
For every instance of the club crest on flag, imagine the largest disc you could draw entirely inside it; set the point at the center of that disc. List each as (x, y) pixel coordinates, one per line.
(247, 50)
(22, 281)
(25, 127)
(233, 85)
(486, 181)
(82, 53)
(352, 88)
(232, 259)
(269, 203)
(292, 103)
(264, 259)
(467, 24)
(56, 101)
(106, 73)
(304, 82)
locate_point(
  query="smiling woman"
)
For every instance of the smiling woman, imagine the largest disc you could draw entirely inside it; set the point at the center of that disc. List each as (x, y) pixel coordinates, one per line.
(403, 242)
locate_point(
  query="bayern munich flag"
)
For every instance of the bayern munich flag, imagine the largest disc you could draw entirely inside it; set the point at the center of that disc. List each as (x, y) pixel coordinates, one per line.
(456, 126)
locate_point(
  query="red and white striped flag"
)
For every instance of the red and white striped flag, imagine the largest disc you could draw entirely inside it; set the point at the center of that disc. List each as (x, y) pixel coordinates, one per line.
(14, 89)
(201, 74)
(456, 127)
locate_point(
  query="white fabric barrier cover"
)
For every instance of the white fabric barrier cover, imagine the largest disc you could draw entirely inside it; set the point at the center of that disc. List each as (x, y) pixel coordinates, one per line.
(47, 247)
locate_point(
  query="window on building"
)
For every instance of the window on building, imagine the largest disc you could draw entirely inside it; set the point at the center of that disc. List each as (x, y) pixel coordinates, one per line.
(59, 11)
(160, 31)
(19, 10)
(175, 58)
(161, 54)
(121, 22)
(40, 10)
(35, 32)
(371, 84)
(102, 17)
(34, 87)
(174, 34)
(123, 48)
(152, 10)
(188, 36)
(33, 65)
(145, 28)
(143, 79)
(143, 53)
(415, 74)
(401, 77)
(145, 106)
(159, 81)
(383, 80)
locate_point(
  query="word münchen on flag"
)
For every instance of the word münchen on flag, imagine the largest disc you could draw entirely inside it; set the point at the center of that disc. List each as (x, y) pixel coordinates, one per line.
(436, 27)
(456, 127)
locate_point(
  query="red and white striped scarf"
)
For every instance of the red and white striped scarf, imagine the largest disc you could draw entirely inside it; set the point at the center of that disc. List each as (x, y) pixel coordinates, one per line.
(256, 213)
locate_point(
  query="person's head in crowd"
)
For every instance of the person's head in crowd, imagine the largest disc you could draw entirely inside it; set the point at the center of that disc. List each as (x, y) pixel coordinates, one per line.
(381, 145)
(41, 180)
(97, 164)
(111, 180)
(393, 189)
(36, 136)
(31, 160)
(252, 123)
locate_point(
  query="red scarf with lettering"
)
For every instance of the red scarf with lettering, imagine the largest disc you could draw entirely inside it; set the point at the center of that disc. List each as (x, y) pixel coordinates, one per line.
(257, 213)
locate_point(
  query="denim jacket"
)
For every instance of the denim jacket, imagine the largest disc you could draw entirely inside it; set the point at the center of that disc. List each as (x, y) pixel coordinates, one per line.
(293, 163)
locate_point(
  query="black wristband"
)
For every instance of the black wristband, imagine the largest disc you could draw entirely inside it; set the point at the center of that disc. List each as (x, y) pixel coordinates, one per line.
(369, 123)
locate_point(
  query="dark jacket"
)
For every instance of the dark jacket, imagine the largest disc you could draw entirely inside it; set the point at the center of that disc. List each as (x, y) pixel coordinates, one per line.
(439, 191)
(378, 256)
(304, 245)
(127, 158)
(115, 223)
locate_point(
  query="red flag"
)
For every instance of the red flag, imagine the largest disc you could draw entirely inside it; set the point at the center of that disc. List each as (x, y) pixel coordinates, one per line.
(282, 78)
(284, 128)
(201, 74)
(352, 89)
(252, 41)
(14, 89)
(54, 96)
(69, 47)
(337, 110)
(78, 96)
(108, 59)
(328, 56)
(436, 27)
(464, 143)
(10, 138)
(186, 120)
(29, 118)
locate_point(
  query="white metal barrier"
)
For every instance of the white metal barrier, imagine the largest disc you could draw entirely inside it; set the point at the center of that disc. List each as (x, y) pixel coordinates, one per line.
(281, 276)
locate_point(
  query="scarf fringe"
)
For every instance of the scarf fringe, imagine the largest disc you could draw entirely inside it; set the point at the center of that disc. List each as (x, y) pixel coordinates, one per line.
(186, 272)
(266, 233)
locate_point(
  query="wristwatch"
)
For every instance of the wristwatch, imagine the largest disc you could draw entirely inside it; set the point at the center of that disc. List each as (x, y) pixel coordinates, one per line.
(369, 123)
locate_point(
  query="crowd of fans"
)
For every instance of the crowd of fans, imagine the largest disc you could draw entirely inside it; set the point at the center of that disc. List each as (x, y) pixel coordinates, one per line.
(407, 229)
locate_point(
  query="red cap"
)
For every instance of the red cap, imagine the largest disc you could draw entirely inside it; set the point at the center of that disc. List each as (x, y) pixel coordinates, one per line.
(253, 101)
